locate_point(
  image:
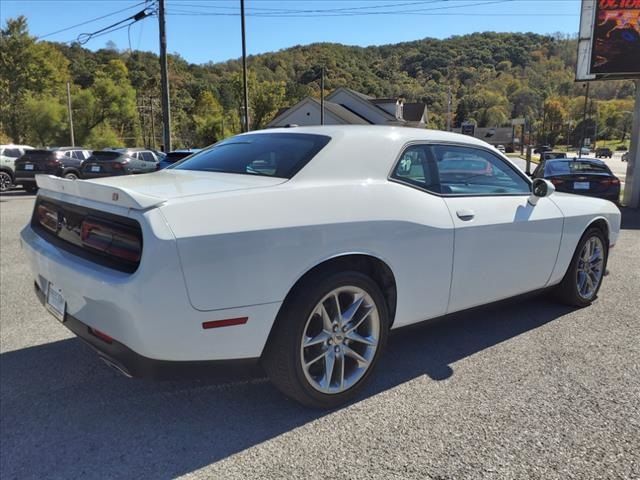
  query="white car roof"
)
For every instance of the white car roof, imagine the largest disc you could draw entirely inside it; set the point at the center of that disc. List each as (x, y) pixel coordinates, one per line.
(364, 151)
(24, 147)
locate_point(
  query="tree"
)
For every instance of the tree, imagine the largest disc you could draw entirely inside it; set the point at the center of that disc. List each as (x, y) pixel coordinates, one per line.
(208, 119)
(111, 99)
(46, 119)
(26, 67)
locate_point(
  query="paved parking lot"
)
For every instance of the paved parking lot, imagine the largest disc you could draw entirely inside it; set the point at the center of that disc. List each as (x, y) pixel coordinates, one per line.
(525, 389)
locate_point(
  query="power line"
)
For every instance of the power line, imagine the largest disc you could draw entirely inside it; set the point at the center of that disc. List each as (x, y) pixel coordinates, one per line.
(83, 38)
(475, 14)
(362, 10)
(86, 22)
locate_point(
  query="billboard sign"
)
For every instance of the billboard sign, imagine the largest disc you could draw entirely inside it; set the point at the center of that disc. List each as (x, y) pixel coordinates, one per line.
(609, 42)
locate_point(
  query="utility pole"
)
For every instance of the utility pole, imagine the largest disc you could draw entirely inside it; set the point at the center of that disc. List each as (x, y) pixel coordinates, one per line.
(322, 96)
(584, 119)
(73, 141)
(244, 69)
(164, 80)
(449, 110)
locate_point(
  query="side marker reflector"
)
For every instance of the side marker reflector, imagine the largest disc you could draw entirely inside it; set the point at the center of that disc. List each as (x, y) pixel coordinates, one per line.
(225, 323)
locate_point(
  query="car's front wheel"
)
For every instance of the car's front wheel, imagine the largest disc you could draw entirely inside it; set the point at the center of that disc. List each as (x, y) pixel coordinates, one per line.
(583, 279)
(327, 339)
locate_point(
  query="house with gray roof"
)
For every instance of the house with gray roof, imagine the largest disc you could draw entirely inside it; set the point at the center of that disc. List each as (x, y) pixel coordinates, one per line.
(348, 107)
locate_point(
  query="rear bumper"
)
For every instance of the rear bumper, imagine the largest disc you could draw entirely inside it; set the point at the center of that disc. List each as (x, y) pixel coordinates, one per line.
(132, 364)
(147, 313)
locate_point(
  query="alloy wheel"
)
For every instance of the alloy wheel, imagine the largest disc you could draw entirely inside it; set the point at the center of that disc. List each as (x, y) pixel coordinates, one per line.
(5, 181)
(340, 340)
(590, 268)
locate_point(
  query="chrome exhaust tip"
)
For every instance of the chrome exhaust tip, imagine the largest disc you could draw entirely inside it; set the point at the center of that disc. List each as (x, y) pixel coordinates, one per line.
(115, 366)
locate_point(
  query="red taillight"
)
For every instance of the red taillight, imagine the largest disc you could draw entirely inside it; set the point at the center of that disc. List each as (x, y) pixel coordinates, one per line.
(557, 181)
(610, 181)
(101, 335)
(112, 240)
(48, 217)
(117, 166)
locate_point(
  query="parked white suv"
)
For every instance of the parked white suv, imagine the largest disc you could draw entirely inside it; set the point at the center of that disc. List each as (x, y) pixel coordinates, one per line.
(8, 156)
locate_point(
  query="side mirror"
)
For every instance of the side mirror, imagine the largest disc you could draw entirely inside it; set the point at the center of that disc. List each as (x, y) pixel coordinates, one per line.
(540, 188)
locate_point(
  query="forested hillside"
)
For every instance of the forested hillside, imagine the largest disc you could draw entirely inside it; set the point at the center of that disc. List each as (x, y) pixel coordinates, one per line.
(493, 77)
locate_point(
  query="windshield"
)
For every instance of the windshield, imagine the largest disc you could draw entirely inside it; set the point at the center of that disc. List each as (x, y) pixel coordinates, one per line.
(573, 166)
(268, 154)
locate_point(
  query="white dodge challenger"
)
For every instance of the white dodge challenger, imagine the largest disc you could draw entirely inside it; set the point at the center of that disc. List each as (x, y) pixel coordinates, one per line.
(301, 248)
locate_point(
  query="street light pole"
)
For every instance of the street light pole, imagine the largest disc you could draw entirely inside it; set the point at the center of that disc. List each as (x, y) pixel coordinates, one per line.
(322, 96)
(73, 142)
(584, 119)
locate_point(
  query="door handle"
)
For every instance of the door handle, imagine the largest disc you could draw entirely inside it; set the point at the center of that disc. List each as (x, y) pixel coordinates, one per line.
(465, 214)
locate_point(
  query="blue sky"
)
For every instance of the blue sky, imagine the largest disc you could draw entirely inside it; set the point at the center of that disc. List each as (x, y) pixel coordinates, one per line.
(209, 30)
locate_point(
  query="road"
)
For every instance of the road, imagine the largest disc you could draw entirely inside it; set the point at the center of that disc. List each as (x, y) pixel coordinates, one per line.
(524, 389)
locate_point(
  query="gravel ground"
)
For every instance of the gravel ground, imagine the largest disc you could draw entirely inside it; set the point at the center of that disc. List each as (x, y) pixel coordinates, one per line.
(524, 389)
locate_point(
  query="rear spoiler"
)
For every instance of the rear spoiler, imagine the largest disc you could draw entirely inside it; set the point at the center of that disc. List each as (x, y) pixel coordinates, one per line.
(97, 192)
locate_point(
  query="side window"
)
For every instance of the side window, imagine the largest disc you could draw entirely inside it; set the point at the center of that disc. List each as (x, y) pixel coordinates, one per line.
(473, 171)
(77, 154)
(413, 167)
(11, 152)
(134, 155)
(147, 156)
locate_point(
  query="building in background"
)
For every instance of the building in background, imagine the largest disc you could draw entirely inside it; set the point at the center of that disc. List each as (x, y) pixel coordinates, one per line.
(496, 136)
(348, 107)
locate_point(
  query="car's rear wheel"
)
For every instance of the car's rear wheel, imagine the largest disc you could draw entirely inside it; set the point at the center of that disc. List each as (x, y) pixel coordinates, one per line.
(71, 176)
(583, 279)
(5, 181)
(327, 339)
(30, 188)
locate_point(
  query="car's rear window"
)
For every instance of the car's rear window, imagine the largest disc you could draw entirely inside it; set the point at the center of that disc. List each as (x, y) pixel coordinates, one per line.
(551, 155)
(268, 154)
(575, 166)
(105, 156)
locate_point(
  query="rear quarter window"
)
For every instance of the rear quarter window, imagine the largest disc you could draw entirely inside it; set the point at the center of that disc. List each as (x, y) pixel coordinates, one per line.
(267, 154)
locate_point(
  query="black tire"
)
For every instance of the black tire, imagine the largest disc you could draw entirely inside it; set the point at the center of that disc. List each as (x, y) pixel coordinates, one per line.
(72, 175)
(30, 187)
(567, 291)
(282, 356)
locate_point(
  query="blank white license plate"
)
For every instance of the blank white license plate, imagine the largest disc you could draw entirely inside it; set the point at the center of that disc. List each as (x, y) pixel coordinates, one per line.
(95, 168)
(56, 303)
(28, 167)
(581, 185)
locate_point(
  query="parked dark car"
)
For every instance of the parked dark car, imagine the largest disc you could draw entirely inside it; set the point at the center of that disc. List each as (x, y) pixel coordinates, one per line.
(62, 162)
(125, 161)
(604, 153)
(175, 156)
(582, 176)
(543, 148)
